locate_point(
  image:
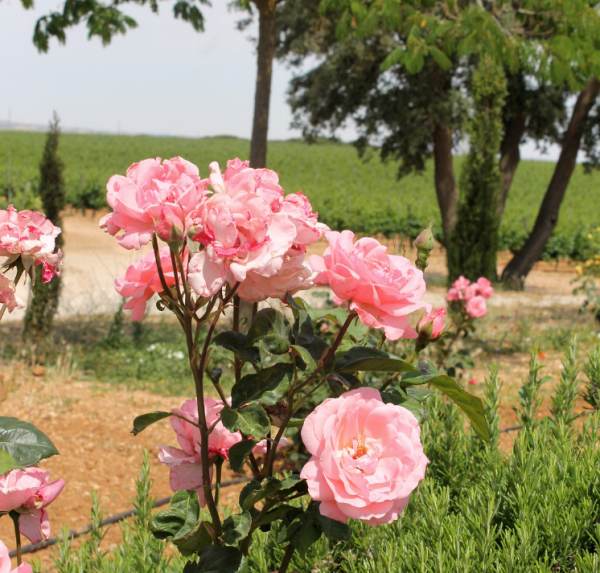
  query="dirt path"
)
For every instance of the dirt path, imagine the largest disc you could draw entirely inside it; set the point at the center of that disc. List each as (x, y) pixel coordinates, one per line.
(93, 260)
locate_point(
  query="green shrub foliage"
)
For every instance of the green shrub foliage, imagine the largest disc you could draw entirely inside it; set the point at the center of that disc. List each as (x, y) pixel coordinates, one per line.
(480, 509)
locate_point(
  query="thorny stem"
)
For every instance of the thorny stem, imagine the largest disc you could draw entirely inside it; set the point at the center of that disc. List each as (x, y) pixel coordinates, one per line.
(328, 354)
(218, 465)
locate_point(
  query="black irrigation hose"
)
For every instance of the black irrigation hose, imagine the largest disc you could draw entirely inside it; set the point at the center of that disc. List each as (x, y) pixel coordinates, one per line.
(116, 518)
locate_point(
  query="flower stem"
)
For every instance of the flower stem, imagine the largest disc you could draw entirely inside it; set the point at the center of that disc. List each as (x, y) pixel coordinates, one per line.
(15, 517)
(287, 558)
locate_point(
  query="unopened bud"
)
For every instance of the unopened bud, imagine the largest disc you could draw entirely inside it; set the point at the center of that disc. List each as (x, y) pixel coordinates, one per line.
(424, 244)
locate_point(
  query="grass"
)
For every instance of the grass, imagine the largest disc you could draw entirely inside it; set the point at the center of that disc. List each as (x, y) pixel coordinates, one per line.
(348, 193)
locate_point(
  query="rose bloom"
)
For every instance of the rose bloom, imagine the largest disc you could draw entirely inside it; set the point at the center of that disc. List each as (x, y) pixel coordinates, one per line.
(154, 196)
(433, 323)
(251, 234)
(484, 287)
(382, 289)
(29, 491)
(142, 281)
(31, 236)
(367, 457)
(458, 290)
(185, 462)
(8, 295)
(5, 563)
(476, 307)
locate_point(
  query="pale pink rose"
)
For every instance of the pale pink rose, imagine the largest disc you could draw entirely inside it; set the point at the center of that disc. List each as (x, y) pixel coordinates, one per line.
(366, 457)
(185, 462)
(240, 224)
(484, 287)
(5, 563)
(298, 208)
(29, 235)
(252, 235)
(8, 295)
(433, 323)
(142, 281)
(383, 289)
(294, 275)
(29, 491)
(476, 307)
(261, 447)
(153, 197)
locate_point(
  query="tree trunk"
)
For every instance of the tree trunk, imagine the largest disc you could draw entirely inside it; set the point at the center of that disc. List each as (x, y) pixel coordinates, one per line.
(510, 156)
(445, 183)
(519, 266)
(267, 42)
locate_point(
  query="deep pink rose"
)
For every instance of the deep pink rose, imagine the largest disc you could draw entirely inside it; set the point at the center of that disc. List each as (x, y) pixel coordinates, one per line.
(29, 491)
(31, 236)
(142, 281)
(5, 563)
(367, 457)
(383, 289)
(476, 307)
(153, 197)
(433, 323)
(8, 295)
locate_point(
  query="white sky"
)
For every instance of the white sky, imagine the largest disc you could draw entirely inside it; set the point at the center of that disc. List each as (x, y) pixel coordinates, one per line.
(161, 78)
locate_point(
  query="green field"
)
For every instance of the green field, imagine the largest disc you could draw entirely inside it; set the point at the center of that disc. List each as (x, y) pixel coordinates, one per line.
(347, 192)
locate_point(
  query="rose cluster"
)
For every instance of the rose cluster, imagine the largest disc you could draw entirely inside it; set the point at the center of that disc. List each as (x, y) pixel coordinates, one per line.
(28, 492)
(27, 239)
(471, 296)
(235, 227)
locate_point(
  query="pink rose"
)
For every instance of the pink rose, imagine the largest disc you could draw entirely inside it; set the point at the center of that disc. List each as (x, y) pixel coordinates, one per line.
(251, 234)
(294, 275)
(433, 323)
(141, 281)
(153, 197)
(484, 287)
(185, 462)
(367, 457)
(8, 295)
(383, 289)
(5, 563)
(29, 492)
(29, 235)
(458, 291)
(476, 307)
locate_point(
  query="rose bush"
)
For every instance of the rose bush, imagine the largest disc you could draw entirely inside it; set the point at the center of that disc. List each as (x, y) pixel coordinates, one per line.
(236, 236)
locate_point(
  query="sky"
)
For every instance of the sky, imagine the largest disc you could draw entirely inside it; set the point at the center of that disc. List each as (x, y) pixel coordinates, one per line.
(162, 78)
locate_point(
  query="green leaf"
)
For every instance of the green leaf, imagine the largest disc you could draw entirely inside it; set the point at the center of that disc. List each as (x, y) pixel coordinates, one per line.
(440, 58)
(238, 453)
(191, 541)
(471, 405)
(24, 442)
(268, 321)
(265, 385)
(334, 530)
(362, 358)
(251, 420)
(216, 559)
(305, 529)
(307, 361)
(140, 423)
(179, 522)
(256, 490)
(236, 527)
(239, 344)
(7, 462)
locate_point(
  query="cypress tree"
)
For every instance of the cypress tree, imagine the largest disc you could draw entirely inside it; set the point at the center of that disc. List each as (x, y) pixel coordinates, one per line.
(44, 299)
(474, 243)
